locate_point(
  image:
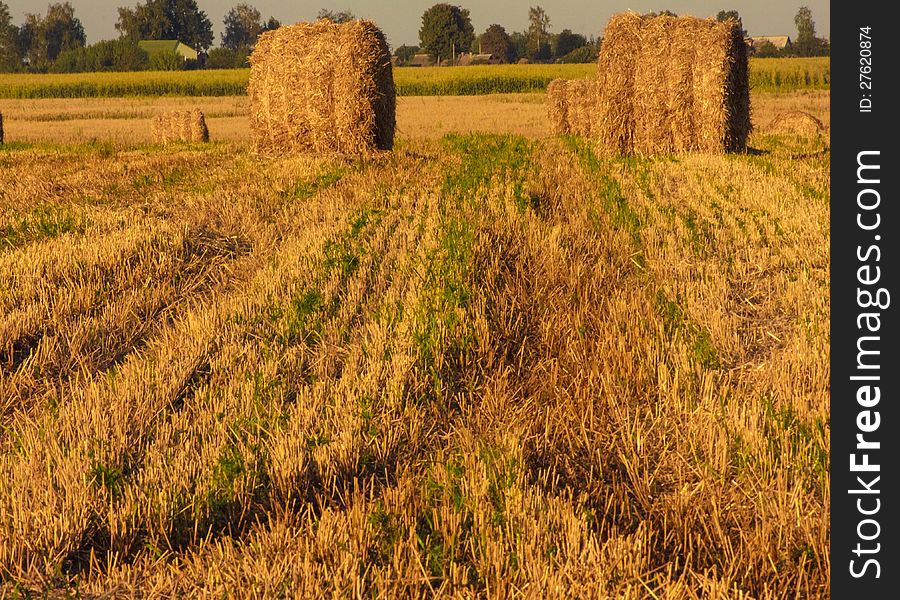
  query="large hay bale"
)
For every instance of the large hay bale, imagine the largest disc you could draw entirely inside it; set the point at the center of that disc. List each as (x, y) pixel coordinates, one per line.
(797, 122)
(179, 126)
(322, 87)
(557, 110)
(670, 84)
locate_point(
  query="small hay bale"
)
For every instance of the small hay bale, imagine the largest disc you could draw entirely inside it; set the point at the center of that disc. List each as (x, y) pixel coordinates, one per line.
(179, 126)
(671, 84)
(199, 130)
(322, 87)
(797, 122)
(557, 110)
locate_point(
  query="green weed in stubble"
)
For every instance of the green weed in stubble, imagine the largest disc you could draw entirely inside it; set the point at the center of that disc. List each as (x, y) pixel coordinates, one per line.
(44, 222)
(609, 193)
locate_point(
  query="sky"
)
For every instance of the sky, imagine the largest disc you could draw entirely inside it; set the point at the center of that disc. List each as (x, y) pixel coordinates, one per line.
(400, 19)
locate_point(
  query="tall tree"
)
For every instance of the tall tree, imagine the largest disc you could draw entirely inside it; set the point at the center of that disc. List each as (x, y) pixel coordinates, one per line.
(538, 46)
(41, 39)
(339, 16)
(496, 41)
(167, 20)
(243, 24)
(10, 59)
(806, 44)
(446, 30)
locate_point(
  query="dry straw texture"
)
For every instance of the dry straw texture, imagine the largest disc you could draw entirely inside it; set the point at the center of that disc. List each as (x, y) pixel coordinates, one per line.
(322, 87)
(179, 126)
(672, 84)
(557, 110)
(797, 122)
(571, 105)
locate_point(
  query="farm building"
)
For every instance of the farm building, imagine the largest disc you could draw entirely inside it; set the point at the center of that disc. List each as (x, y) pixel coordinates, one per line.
(780, 42)
(167, 47)
(471, 58)
(420, 60)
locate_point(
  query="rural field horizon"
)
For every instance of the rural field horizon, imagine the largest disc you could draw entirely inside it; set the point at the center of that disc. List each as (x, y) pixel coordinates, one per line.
(491, 362)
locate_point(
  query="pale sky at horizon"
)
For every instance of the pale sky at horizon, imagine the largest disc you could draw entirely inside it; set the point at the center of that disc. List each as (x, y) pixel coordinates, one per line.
(400, 20)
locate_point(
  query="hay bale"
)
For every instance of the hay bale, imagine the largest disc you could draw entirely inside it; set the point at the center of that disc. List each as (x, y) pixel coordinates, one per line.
(581, 97)
(671, 84)
(797, 122)
(179, 126)
(199, 130)
(322, 87)
(557, 110)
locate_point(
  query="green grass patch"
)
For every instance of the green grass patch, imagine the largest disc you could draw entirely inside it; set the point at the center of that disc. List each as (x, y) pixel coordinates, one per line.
(48, 221)
(609, 194)
(703, 351)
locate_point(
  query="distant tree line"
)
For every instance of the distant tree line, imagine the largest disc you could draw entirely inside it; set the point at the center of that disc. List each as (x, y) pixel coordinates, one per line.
(55, 41)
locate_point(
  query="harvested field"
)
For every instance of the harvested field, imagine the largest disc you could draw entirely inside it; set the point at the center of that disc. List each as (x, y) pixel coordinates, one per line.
(491, 363)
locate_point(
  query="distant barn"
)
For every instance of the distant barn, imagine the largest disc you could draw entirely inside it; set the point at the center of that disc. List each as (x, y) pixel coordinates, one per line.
(780, 42)
(167, 48)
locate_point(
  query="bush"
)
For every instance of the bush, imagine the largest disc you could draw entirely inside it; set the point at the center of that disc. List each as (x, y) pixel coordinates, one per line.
(226, 58)
(110, 55)
(583, 54)
(165, 61)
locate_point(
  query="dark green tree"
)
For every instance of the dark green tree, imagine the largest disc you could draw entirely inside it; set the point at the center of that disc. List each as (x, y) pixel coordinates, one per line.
(538, 36)
(405, 53)
(10, 58)
(243, 24)
(496, 41)
(565, 42)
(724, 15)
(336, 16)
(446, 30)
(662, 13)
(167, 20)
(520, 44)
(41, 39)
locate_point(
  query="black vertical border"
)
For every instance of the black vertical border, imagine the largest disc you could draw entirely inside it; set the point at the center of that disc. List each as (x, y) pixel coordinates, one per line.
(852, 132)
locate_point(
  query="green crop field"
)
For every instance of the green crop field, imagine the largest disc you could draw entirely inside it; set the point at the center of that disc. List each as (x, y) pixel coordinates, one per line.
(767, 74)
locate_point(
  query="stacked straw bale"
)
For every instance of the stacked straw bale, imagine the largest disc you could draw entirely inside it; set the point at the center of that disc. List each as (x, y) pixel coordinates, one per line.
(571, 105)
(557, 109)
(670, 84)
(797, 122)
(322, 87)
(180, 126)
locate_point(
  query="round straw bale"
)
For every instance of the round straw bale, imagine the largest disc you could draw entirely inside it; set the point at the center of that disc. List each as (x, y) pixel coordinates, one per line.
(797, 122)
(322, 87)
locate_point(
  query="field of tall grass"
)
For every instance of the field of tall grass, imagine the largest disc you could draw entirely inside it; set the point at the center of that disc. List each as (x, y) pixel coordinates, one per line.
(765, 75)
(483, 365)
